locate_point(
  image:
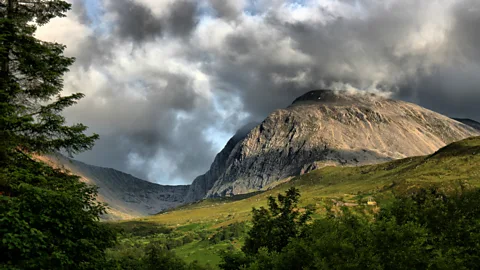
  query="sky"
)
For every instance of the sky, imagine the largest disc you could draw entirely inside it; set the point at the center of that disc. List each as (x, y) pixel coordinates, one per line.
(168, 82)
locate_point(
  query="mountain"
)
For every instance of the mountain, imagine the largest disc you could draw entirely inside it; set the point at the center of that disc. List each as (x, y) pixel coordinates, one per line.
(469, 122)
(126, 195)
(323, 128)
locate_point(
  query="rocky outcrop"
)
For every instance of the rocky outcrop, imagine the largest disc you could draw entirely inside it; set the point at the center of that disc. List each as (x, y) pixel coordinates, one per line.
(325, 128)
(126, 195)
(203, 183)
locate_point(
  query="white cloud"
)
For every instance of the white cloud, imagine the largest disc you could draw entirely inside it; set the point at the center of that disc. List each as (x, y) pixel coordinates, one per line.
(68, 31)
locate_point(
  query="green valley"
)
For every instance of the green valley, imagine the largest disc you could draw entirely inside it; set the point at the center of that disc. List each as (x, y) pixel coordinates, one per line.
(192, 227)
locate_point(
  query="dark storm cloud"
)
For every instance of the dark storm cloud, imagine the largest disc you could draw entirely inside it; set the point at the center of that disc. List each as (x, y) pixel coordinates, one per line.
(151, 123)
(155, 119)
(180, 142)
(353, 44)
(140, 133)
(452, 91)
(465, 33)
(228, 9)
(453, 88)
(135, 21)
(182, 18)
(386, 48)
(95, 51)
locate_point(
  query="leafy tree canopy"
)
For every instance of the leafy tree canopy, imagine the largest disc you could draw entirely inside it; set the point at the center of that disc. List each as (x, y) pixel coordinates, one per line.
(273, 227)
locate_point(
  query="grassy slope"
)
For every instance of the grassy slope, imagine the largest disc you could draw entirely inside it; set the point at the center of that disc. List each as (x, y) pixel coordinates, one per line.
(458, 161)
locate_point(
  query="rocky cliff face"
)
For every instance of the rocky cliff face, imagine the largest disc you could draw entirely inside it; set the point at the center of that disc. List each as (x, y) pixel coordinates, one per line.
(203, 183)
(325, 128)
(126, 195)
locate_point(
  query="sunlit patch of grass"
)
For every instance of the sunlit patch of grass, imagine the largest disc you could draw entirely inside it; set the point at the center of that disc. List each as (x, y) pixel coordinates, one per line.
(457, 161)
(202, 251)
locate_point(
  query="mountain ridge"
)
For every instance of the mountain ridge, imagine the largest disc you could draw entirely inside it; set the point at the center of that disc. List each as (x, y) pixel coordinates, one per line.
(320, 128)
(469, 122)
(127, 196)
(324, 127)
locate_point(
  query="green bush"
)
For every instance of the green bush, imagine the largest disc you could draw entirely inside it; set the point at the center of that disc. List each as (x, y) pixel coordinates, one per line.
(273, 227)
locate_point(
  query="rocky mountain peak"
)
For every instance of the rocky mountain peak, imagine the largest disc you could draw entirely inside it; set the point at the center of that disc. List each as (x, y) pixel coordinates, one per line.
(336, 97)
(325, 128)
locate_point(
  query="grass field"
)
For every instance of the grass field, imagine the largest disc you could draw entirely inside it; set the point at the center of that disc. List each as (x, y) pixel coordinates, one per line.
(459, 161)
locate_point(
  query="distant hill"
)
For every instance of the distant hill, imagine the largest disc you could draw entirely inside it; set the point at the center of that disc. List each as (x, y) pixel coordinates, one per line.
(469, 122)
(323, 128)
(126, 195)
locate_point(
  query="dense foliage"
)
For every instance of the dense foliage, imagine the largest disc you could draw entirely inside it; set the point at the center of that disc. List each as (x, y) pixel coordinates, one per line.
(48, 219)
(429, 229)
(273, 227)
(150, 257)
(229, 233)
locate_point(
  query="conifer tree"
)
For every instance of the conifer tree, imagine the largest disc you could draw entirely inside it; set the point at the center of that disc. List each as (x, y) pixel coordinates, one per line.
(31, 79)
(48, 219)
